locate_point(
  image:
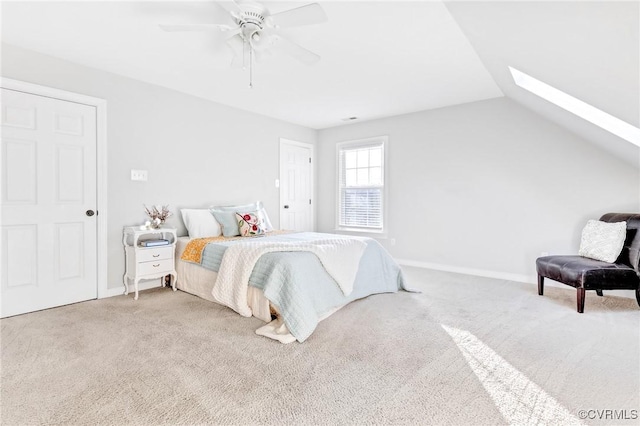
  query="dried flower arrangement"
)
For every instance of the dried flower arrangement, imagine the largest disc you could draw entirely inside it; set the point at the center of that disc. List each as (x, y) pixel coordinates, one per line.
(157, 214)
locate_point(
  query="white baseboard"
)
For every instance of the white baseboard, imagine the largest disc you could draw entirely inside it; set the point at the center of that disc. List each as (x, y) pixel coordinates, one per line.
(470, 271)
(499, 275)
(146, 285)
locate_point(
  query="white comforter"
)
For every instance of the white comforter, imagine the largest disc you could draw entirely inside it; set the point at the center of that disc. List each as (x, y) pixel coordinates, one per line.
(339, 256)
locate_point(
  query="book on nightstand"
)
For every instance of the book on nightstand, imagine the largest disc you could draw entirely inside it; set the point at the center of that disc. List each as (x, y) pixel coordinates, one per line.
(154, 243)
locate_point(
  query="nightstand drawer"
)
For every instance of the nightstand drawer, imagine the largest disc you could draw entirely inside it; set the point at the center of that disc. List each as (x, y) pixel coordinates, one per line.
(147, 263)
(155, 253)
(155, 267)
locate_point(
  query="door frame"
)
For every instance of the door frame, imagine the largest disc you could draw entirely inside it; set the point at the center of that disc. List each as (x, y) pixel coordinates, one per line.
(281, 176)
(101, 163)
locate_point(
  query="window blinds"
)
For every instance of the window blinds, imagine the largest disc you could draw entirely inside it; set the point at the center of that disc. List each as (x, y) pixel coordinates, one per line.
(361, 186)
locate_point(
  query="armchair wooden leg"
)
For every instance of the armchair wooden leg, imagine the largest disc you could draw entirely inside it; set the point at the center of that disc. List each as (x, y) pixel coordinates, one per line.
(580, 299)
(599, 293)
(541, 286)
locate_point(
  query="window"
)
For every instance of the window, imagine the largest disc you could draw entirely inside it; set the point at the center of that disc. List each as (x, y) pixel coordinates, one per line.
(361, 185)
(575, 106)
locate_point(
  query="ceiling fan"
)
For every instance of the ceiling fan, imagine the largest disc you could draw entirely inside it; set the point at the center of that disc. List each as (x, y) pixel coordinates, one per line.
(255, 31)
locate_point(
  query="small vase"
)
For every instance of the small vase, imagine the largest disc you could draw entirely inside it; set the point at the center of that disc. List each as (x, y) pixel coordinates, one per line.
(156, 223)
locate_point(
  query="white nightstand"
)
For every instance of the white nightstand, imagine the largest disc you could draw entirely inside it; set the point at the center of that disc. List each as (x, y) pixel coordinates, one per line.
(145, 263)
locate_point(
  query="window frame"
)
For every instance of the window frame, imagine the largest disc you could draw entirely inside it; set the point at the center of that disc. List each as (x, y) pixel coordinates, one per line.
(355, 144)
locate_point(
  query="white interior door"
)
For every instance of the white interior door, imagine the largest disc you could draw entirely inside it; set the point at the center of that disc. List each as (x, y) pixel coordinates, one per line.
(48, 193)
(295, 186)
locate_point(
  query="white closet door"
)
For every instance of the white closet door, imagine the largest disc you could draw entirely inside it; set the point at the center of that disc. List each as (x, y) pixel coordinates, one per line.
(48, 176)
(295, 187)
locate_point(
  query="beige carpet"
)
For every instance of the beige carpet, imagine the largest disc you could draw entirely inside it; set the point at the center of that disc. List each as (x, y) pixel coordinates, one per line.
(467, 350)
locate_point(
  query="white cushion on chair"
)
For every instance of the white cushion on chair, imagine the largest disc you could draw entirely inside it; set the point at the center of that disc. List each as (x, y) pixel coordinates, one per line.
(603, 241)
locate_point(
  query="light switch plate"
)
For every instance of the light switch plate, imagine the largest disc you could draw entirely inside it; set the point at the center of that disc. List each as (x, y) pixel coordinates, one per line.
(140, 175)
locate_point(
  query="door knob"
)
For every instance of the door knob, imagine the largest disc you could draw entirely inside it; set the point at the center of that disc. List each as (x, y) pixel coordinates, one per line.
(89, 213)
(286, 206)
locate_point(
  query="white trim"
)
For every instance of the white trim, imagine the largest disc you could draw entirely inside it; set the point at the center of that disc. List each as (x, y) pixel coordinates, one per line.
(507, 276)
(470, 271)
(311, 148)
(373, 231)
(385, 186)
(49, 92)
(143, 285)
(119, 291)
(101, 163)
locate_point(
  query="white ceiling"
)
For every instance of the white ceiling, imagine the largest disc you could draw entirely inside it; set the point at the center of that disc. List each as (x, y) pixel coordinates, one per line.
(378, 58)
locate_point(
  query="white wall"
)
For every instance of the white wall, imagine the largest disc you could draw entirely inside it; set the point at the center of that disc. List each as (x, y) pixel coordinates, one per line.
(197, 152)
(485, 186)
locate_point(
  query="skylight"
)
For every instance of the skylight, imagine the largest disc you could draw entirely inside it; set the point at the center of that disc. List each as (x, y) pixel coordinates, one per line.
(575, 106)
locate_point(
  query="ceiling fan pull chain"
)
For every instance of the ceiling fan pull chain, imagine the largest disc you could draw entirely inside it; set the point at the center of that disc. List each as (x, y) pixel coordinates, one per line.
(244, 47)
(250, 66)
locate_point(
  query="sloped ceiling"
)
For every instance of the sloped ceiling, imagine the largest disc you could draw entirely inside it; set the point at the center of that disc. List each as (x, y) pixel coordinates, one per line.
(379, 58)
(590, 50)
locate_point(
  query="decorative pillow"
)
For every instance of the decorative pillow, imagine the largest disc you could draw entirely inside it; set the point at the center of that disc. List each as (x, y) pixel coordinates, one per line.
(200, 223)
(603, 241)
(226, 216)
(251, 223)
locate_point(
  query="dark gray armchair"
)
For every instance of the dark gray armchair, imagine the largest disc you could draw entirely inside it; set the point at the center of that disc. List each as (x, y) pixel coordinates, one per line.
(589, 274)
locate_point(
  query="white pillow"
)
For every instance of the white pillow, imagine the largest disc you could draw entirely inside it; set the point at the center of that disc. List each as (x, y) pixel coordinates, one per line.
(603, 241)
(200, 223)
(226, 216)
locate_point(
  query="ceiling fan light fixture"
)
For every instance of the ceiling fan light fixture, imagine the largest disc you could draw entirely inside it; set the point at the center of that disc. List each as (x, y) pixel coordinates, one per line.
(255, 32)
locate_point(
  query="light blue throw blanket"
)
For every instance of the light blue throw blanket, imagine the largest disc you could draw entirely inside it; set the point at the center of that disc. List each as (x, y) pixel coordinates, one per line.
(299, 286)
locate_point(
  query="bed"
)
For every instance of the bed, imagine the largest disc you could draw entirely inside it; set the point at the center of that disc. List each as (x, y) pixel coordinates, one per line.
(298, 278)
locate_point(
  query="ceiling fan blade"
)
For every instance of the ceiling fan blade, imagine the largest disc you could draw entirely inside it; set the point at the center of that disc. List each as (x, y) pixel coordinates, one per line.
(230, 6)
(304, 15)
(295, 50)
(237, 47)
(236, 62)
(259, 56)
(233, 32)
(194, 27)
